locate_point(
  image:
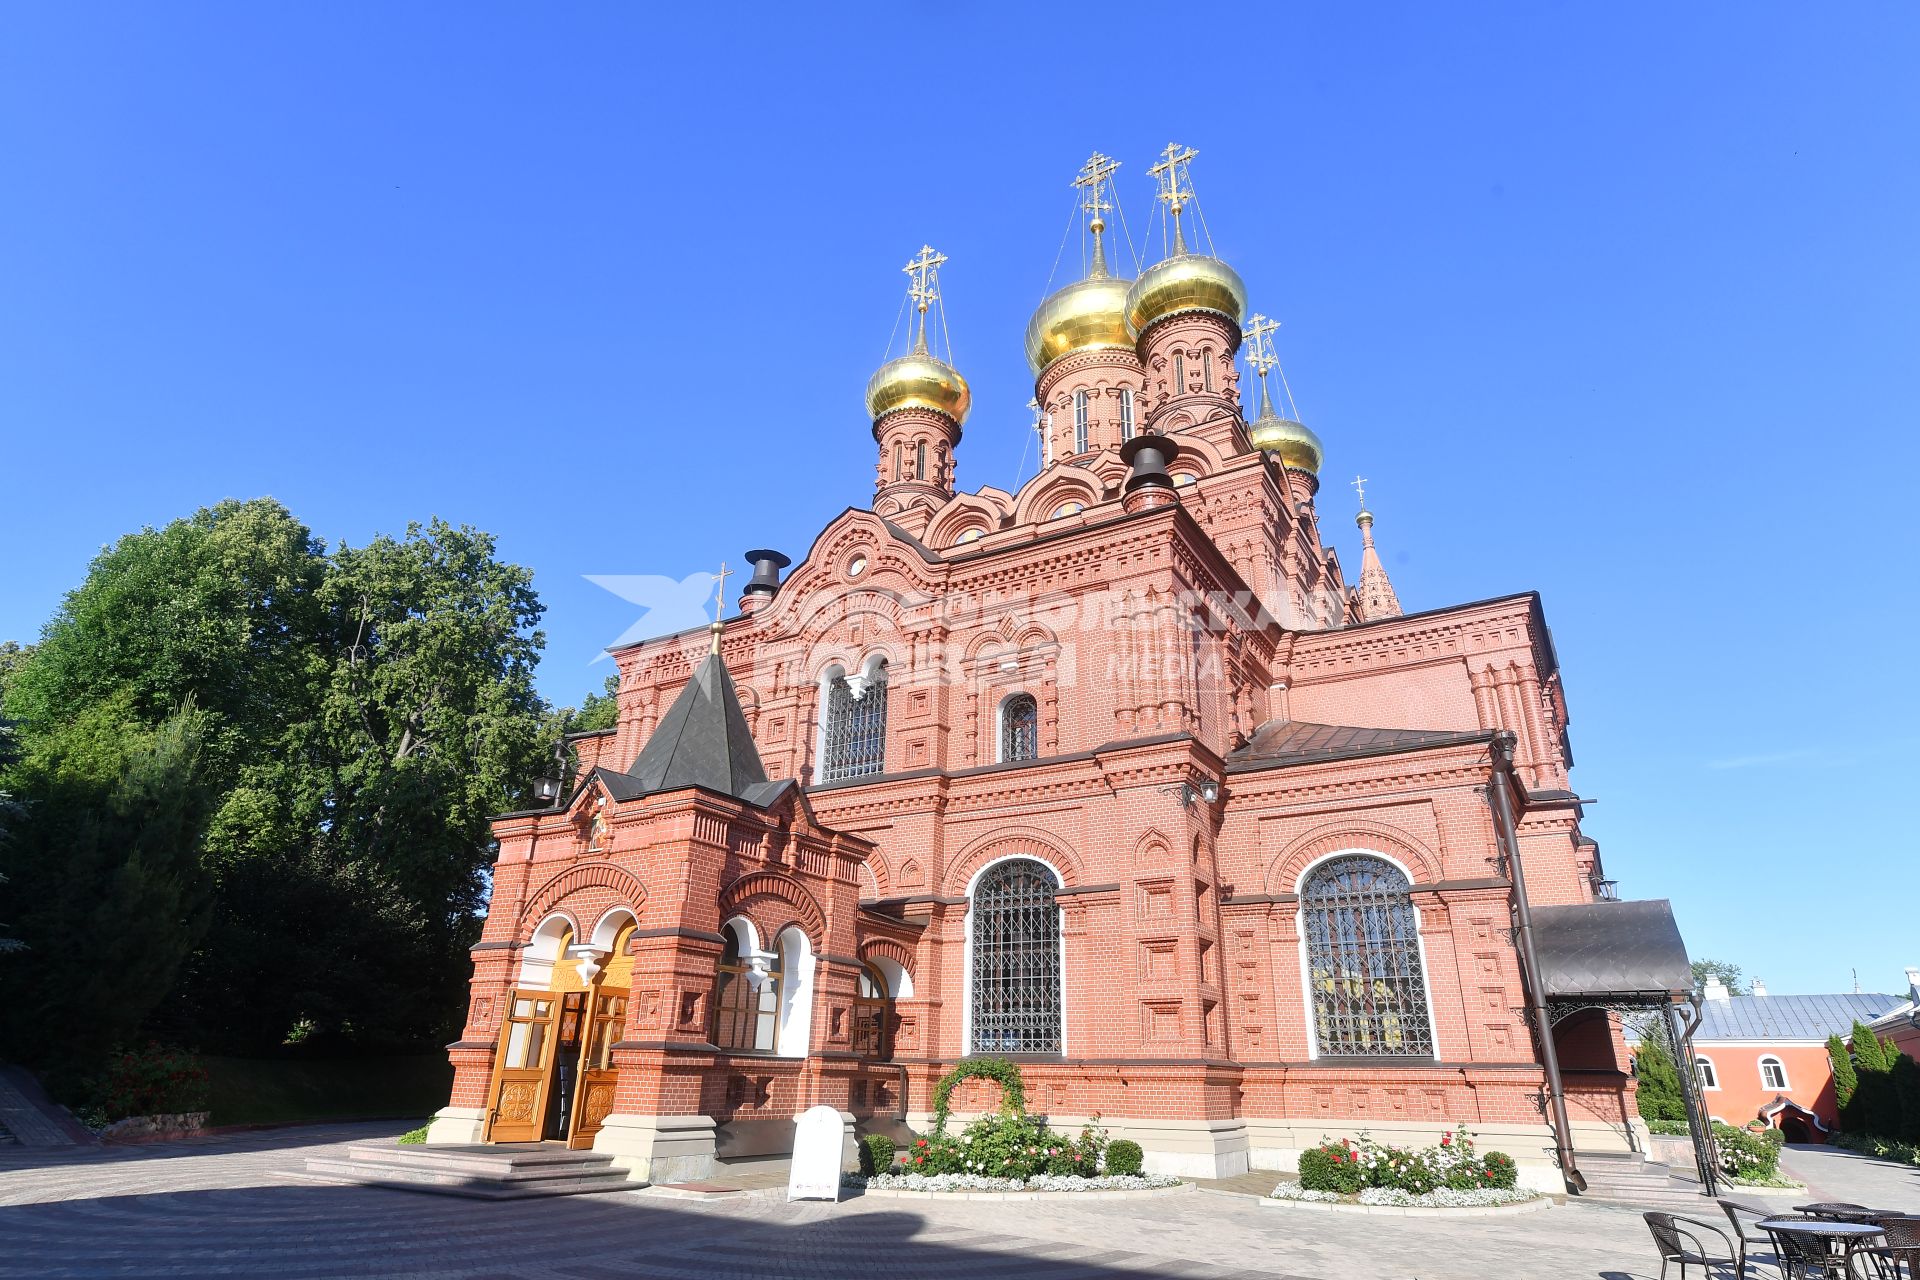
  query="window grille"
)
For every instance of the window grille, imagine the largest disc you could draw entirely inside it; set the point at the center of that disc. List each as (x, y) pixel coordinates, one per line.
(1363, 958)
(1126, 413)
(856, 738)
(1079, 422)
(1020, 728)
(744, 1019)
(1016, 960)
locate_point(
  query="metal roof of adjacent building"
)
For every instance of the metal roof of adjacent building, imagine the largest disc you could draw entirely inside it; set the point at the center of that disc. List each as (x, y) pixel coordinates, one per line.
(1283, 742)
(1789, 1017)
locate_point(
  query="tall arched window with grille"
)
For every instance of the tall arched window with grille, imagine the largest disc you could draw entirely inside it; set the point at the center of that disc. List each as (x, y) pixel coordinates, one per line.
(854, 741)
(1014, 936)
(1079, 422)
(1126, 413)
(1363, 960)
(1019, 728)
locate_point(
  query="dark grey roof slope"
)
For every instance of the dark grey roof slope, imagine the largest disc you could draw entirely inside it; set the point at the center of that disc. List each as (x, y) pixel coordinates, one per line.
(1283, 742)
(702, 741)
(1601, 949)
(1789, 1017)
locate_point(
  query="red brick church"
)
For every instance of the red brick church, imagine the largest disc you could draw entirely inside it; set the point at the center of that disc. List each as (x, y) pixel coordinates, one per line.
(1115, 774)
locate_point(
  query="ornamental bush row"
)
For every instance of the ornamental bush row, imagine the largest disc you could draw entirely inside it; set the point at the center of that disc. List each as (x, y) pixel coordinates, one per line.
(1018, 1147)
(1348, 1168)
(1441, 1198)
(1039, 1182)
(1754, 1157)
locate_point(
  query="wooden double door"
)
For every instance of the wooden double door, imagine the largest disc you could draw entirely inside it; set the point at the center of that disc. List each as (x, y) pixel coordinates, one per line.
(553, 1074)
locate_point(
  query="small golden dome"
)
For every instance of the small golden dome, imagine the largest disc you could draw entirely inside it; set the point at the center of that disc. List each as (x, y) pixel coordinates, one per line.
(1090, 315)
(1185, 282)
(918, 381)
(1296, 446)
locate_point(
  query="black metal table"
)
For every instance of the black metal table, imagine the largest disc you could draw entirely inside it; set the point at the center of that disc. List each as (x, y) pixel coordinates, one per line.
(1838, 1239)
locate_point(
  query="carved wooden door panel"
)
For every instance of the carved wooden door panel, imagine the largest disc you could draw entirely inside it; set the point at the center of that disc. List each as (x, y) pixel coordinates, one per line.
(596, 1066)
(522, 1068)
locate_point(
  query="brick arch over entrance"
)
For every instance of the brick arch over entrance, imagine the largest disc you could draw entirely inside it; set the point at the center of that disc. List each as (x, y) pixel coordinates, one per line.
(624, 890)
(888, 949)
(1284, 875)
(1014, 842)
(772, 901)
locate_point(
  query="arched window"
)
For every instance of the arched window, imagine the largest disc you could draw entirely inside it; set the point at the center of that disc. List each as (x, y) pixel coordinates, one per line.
(1126, 413)
(1773, 1073)
(1079, 422)
(1206, 367)
(899, 459)
(1709, 1078)
(920, 461)
(746, 995)
(855, 742)
(1363, 960)
(1015, 938)
(1019, 728)
(873, 1016)
(1179, 374)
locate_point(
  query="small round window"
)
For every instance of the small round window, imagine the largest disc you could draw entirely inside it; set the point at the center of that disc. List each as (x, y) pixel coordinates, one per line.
(856, 566)
(1069, 509)
(971, 535)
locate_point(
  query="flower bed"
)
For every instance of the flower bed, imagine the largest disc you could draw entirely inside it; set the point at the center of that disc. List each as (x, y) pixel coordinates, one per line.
(1439, 1198)
(1039, 1182)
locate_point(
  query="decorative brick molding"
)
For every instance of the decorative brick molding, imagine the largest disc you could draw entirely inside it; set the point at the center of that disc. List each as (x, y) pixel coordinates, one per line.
(585, 875)
(754, 893)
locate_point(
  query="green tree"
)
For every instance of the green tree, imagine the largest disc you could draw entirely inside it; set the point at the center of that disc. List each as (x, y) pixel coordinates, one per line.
(1658, 1096)
(11, 811)
(1869, 1053)
(1844, 1076)
(1729, 974)
(13, 656)
(106, 886)
(599, 710)
(1904, 1077)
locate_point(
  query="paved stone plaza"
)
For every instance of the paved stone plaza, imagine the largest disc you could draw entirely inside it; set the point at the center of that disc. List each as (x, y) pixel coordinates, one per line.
(239, 1206)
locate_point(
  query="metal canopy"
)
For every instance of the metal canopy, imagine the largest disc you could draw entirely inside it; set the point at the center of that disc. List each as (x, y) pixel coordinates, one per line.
(1603, 952)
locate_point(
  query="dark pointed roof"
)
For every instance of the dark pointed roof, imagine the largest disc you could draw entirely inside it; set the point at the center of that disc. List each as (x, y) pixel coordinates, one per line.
(1278, 743)
(702, 741)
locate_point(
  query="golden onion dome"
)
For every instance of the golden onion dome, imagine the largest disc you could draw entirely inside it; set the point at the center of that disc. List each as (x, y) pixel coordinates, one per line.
(1295, 445)
(918, 381)
(1090, 315)
(1185, 282)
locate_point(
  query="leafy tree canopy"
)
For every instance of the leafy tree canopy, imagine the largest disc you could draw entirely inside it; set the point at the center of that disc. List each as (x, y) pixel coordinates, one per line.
(1729, 974)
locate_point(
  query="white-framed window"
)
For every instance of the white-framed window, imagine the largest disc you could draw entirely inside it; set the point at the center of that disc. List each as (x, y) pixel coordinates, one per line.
(1014, 988)
(1019, 728)
(1079, 422)
(1773, 1073)
(1703, 1068)
(1366, 980)
(853, 722)
(1126, 413)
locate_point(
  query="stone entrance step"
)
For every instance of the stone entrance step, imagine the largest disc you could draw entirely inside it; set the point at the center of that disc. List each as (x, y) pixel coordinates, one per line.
(509, 1171)
(1622, 1177)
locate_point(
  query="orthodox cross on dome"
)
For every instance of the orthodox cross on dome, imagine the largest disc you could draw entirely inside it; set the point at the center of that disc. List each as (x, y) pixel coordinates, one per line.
(1360, 487)
(1095, 175)
(1175, 178)
(1259, 335)
(925, 289)
(719, 602)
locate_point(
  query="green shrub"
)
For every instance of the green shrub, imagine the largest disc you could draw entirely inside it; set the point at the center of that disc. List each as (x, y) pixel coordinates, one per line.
(876, 1153)
(1124, 1157)
(1656, 1081)
(1500, 1169)
(414, 1137)
(1748, 1155)
(1844, 1076)
(1669, 1128)
(152, 1081)
(1006, 1146)
(1332, 1166)
(1013, 1091)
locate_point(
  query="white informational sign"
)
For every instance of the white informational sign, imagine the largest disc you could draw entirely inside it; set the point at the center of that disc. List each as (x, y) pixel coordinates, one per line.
(818, 1136)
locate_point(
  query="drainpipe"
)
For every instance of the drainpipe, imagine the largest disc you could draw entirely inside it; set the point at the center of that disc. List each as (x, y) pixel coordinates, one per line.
(1523, 934)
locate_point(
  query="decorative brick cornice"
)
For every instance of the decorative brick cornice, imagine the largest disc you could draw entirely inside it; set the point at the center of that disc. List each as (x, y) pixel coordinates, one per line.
(586, 875)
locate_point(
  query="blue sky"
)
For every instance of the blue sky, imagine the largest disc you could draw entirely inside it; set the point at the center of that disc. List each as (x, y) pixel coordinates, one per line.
(1616, 302)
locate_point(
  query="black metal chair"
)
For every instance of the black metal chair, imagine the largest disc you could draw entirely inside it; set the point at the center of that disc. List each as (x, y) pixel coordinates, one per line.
(1884, 1262)
(1745, 1232)
(1838, 1210)
(1684, 1240)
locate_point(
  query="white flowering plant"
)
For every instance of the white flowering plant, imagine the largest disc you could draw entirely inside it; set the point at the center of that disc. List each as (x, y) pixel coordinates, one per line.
(1438, 1198)
(1038, 1182)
